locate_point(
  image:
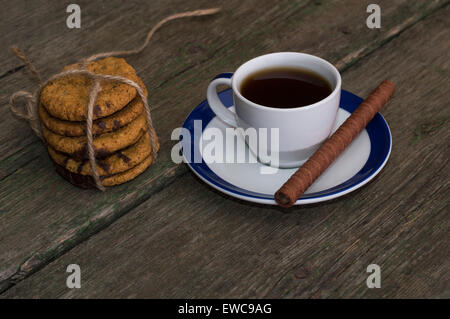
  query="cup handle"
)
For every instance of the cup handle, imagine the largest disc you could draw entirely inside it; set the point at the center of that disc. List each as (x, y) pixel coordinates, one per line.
(214, 102)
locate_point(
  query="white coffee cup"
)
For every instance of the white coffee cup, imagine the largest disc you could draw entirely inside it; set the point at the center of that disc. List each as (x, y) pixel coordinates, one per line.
(302, 129)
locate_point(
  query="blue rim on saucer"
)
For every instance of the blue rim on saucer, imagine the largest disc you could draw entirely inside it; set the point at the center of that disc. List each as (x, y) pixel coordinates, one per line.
(377, 129)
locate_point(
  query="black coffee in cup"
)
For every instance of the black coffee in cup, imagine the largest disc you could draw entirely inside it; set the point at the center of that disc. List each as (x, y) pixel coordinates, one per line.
(285, 87)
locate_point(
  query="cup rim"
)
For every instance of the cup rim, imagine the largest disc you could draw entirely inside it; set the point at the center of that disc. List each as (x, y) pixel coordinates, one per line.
(332, 95)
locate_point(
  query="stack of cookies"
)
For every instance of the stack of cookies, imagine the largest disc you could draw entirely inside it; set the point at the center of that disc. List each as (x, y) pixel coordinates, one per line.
(121, 138)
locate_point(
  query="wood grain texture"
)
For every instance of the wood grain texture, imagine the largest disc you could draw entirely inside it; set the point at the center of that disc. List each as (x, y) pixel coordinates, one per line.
(41, 215)
(189, 241)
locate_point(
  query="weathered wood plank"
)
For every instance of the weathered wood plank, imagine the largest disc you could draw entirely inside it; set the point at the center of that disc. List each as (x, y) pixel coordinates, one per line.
(42, 216)
(195, 242)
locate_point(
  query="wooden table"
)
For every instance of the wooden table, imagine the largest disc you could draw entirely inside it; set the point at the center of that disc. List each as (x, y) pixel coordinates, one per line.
(167, 234)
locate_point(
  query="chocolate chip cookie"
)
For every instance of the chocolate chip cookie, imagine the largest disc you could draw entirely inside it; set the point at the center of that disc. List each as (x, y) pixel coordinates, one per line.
(99, 126)
(86, 181)
(67, 98)
(118, 162)
(104, 144)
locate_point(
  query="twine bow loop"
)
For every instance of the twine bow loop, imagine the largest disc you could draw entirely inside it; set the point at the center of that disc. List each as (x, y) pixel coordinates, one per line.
(29, 114)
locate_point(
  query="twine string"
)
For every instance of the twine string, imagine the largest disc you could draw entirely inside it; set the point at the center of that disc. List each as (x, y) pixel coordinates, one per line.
(95, 89)
(30, 114)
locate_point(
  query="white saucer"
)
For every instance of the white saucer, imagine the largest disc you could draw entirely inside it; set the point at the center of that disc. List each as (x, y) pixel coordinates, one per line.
(356, 166)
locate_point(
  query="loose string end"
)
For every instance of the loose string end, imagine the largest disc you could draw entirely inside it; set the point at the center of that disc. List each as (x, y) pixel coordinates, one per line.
(208, 11)
(196, 13)
(19, 54)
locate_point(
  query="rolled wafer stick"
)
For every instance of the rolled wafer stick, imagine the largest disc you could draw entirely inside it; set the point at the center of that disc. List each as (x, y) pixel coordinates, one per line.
(302, 179)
